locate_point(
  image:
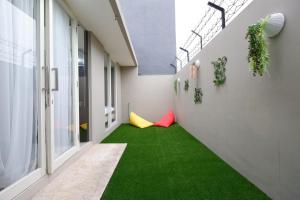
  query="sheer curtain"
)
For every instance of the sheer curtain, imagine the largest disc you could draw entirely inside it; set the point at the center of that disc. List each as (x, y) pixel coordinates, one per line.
(63, 98)
(18, 89)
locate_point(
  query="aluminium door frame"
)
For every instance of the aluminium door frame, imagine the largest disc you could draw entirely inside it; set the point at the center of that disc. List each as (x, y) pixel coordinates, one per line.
(52, 163)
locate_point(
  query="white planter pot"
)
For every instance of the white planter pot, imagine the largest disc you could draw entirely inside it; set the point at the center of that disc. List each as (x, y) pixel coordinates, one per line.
(275, 24)
(197, 63)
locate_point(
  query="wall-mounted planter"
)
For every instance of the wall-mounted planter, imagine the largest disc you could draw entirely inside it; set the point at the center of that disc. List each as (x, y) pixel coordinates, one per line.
(197, 63)
(194, 69)
(219, 67)
(186, 85)
(275, 24)
(198, 96)
(177, 86)
(258, 56)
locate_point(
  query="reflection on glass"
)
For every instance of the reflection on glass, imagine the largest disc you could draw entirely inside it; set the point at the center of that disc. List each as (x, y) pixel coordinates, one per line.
(63, 96)
(113, 98)
(18, 89)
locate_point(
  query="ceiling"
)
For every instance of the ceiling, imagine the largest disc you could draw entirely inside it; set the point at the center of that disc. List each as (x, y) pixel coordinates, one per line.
(98, 16)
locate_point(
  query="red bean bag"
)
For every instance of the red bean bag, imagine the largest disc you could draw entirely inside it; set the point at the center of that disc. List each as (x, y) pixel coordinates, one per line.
(166, 120)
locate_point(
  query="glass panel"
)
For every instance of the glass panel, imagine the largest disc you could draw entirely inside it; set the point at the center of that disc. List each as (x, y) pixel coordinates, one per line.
(113, 95)
(63, 97)
(106, 94)
(106, 109)
(112, 86)
(83, 84)
(105, 86)
(18, 89)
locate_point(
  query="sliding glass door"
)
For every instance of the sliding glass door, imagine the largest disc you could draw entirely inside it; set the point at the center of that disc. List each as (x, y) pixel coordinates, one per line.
(21, 107)
(39, 92)
(63, 91)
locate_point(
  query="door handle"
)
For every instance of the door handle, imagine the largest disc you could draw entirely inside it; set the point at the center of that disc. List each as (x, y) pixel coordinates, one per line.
(55, 70)
(46, 85)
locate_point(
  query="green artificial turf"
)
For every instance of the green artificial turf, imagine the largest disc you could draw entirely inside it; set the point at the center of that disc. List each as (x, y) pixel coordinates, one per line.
(169, 163)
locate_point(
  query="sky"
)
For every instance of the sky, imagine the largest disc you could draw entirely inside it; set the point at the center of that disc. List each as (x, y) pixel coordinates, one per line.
(188, 13)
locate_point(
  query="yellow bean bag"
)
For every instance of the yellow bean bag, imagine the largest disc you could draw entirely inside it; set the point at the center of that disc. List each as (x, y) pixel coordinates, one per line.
(137, 121)
(84, 126)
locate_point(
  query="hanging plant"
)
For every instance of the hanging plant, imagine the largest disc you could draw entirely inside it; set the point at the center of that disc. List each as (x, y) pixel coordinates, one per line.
(175, 86)
(198, 95)
(258, 56)
(220, 70)
(186, 85)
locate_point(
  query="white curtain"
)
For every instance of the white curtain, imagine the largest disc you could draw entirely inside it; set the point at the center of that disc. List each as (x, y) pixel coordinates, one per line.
(63, 98)
(18, 90)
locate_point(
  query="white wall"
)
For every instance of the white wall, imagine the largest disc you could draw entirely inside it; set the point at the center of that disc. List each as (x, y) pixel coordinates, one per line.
(149, 96)
(252, 122)
(96, 99)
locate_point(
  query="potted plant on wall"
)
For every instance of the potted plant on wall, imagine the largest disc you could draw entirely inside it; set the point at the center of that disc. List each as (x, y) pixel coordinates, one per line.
(175, 86)
(195, 76)
(258, 56)
(186, 85)
(220, 70)
(198, 95)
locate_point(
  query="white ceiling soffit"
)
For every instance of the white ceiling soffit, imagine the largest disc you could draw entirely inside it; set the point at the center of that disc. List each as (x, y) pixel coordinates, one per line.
(99, 17)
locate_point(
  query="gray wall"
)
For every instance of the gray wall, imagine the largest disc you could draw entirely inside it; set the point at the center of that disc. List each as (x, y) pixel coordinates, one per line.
(149, 96)
(96, 98)
(253, 123)
(151, 25)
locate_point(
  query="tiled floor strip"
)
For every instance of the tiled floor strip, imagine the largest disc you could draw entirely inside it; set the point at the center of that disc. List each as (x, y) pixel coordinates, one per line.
(87, 178)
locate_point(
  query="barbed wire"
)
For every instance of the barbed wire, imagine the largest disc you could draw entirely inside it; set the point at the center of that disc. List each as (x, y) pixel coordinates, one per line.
(209, 27)
(207, 16)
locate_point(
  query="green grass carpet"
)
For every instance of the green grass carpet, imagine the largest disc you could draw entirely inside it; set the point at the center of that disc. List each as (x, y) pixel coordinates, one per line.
(169, 163)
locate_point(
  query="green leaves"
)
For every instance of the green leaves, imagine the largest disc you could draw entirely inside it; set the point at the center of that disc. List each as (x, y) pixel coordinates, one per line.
(220, 70)
(186, 85)
(198, 95)
(175, 86)
(258, 56)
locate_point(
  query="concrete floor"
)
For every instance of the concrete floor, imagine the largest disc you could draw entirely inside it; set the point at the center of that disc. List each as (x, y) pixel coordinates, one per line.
(87, 178)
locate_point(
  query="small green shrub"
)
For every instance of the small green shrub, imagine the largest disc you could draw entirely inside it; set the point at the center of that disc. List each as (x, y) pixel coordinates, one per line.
(220, 70)
(258, 56)
(186, 85)
(175, 86)
(198, 95)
